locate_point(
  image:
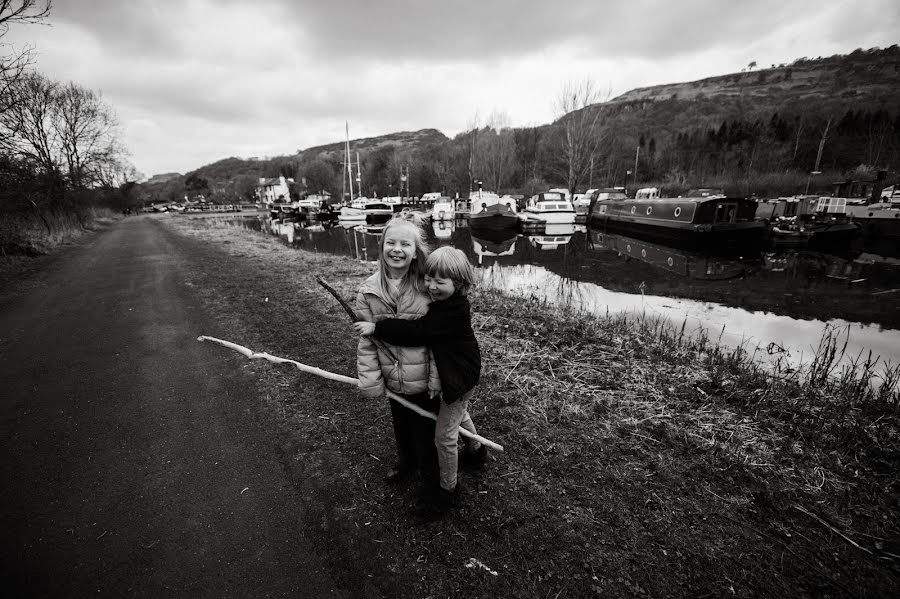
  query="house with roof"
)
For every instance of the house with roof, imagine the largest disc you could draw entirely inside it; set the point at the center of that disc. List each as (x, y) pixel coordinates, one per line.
(269, 190)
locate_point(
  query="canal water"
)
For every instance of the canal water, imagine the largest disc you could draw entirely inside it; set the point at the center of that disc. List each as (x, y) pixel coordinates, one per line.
(777, 303)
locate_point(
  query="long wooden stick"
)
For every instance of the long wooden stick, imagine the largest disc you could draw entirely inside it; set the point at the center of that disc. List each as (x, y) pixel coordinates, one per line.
(342, 301)
(249, 353)
(353, 315)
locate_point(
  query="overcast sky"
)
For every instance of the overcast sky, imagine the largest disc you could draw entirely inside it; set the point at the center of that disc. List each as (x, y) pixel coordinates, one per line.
(194, 81)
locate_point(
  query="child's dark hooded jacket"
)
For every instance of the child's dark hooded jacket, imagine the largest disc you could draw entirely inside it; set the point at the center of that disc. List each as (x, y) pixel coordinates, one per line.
(447, 330)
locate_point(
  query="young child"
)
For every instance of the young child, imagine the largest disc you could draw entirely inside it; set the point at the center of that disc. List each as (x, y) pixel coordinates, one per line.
(397, 290)
(447, 330)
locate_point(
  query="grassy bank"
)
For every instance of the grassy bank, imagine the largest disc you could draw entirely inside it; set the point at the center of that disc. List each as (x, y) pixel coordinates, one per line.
(639, 462)
(36, 233)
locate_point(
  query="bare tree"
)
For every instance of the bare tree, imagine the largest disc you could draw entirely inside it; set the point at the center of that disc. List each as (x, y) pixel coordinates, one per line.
(528, 154)
(496, 151)
(66, 132)
(13, 62)
(473, 126)
(580, 128)
(86, 128)
(26, 126)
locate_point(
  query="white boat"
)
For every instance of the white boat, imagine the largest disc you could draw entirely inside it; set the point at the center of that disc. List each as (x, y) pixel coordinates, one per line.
(548, 207)
(443, 209)
(488, 210)
(355, 211)
(562, 191)
(392, 200)
(879, 220)
(364, 209)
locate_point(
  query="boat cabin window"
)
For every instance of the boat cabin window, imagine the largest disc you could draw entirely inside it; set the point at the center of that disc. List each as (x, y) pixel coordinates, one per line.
(726, 212)
(832, 205)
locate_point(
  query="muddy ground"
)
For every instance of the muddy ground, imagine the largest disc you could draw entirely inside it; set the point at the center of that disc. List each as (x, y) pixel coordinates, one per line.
(629, 469)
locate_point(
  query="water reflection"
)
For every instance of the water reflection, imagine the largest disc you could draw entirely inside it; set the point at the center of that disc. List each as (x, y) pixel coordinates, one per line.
(552, 236)
(443, 230)
(493, 244)
(781, 296)
(674, 260)
(733, 327)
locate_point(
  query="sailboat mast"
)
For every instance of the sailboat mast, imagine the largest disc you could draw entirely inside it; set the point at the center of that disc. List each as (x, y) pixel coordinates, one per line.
(349, 165)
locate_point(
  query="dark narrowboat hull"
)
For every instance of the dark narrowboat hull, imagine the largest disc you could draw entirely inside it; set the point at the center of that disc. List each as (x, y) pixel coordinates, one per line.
(494, 217)
(882, 226)
(817, 236)
(709, 224)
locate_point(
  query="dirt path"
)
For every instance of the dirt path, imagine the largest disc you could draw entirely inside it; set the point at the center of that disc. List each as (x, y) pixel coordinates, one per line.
(135, 460)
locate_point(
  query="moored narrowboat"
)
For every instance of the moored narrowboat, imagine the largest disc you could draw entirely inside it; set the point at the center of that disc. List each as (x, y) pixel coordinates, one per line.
(712, 221)
(490, 211)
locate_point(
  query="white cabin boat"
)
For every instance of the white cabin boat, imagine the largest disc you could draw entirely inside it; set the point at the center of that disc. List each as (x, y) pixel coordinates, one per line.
(363, 209)
(548, 207)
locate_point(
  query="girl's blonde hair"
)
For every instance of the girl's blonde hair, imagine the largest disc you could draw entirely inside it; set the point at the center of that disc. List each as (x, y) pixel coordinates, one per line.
(451, 263)
(414, 277)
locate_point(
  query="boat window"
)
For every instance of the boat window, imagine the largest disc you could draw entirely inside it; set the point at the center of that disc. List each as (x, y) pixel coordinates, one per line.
(677, 212)
(725, 213)
(832, 205)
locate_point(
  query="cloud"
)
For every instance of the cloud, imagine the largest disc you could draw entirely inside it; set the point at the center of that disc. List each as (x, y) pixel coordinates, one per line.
(199, 80)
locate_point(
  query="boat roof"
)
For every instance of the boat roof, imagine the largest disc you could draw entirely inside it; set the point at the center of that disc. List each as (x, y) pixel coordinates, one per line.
(704, 192)
(483, 194)
(550, 196)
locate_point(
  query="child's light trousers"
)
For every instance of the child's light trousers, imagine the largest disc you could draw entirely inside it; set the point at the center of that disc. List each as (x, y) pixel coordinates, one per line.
(446, 437)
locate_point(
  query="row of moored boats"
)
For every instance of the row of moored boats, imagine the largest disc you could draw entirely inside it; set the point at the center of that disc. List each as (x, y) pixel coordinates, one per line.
(703, 217)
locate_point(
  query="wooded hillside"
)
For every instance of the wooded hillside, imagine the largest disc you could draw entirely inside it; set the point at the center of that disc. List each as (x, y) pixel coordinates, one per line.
(760, 131)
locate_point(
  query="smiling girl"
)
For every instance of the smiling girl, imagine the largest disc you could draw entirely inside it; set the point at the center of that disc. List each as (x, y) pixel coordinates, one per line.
(447, 329)
(396, 290)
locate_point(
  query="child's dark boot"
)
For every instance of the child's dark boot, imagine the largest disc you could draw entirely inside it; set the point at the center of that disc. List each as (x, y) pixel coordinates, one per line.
(398, 473)
(474, 458)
